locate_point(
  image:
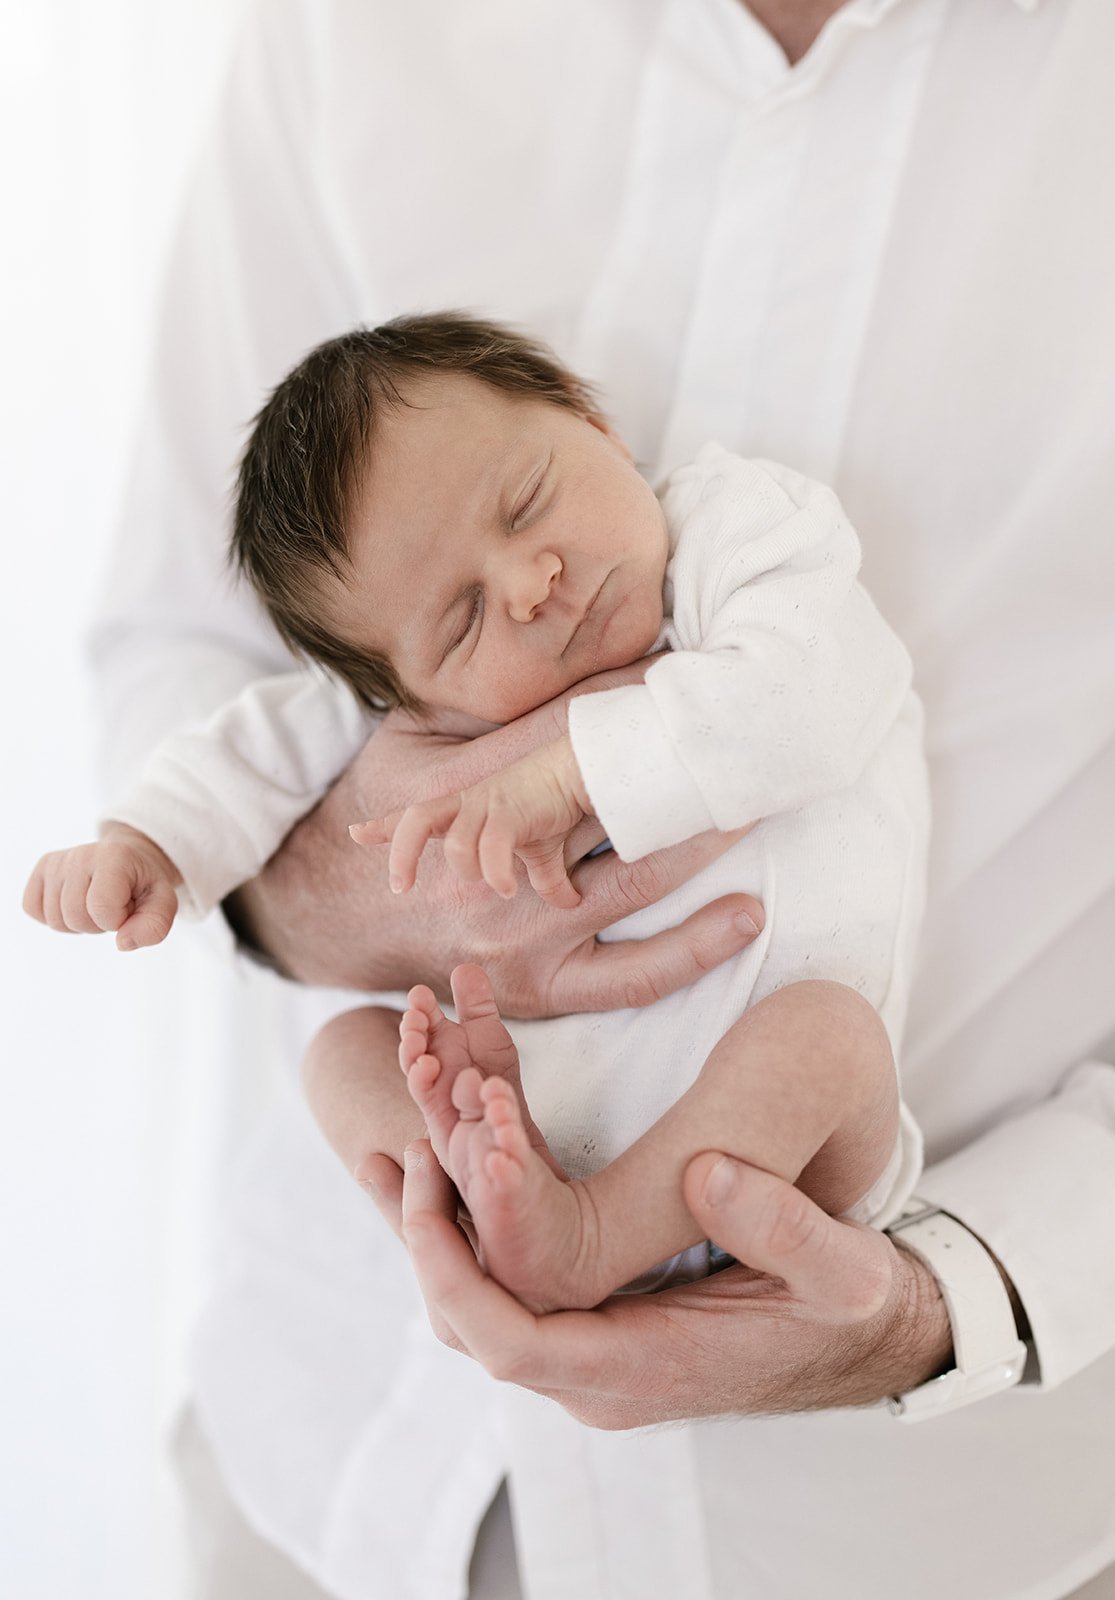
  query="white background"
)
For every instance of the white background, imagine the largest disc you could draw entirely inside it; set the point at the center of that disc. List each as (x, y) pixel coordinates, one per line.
(104, 1152)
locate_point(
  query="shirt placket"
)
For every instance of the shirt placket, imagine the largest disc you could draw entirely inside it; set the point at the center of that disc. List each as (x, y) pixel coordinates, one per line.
(787, 281)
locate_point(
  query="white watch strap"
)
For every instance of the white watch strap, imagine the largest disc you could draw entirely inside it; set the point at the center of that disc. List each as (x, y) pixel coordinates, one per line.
(989, 1354)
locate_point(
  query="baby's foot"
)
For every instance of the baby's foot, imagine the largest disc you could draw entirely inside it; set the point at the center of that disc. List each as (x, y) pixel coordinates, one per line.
(434, 1051)
(536, 1233)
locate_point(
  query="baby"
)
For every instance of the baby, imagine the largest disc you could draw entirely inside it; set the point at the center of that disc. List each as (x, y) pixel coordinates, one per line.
(436, 513)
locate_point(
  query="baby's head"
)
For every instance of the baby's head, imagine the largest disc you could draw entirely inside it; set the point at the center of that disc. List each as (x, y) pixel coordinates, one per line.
(435, 511)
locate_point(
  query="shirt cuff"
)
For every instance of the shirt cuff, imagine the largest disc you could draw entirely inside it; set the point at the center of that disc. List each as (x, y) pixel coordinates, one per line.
(1039, 1191)
(640, 790)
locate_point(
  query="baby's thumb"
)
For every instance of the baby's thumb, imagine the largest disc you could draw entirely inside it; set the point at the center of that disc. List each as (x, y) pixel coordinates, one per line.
(548, 875)
(151, 921)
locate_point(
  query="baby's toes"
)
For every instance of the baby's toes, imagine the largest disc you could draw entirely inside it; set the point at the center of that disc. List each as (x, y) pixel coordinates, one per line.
(466, 1094)
(414, 1036)
(503, 1116)
(422, 1078)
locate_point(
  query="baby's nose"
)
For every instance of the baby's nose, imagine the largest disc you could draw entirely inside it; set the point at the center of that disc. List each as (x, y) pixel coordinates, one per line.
(529, 583)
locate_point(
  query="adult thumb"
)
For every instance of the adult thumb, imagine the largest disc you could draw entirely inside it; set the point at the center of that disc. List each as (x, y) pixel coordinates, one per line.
(835, 1270)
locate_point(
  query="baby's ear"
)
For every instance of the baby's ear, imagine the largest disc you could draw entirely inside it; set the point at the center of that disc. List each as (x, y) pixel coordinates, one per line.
(601, 423)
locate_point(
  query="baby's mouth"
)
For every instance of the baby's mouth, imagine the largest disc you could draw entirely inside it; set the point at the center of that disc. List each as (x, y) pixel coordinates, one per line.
(585, 615)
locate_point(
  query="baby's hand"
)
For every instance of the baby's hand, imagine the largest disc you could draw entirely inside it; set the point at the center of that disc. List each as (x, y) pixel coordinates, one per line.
(527, 810)
(123, 884)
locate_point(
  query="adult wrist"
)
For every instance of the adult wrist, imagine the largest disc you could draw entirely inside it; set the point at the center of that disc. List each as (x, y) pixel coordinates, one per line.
(988, 1349)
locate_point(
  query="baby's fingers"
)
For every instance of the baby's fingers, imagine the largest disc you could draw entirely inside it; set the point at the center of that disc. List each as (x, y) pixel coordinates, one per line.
(110, 892)
(377, 831)
(33, 894)
(545, 864)
(74, 902)
(56, 893)
(416, 826)
(496, 856)
(151, 919)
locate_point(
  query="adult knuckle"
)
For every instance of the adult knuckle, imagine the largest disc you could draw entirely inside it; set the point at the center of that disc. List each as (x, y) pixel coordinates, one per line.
(636, 991)
(791, 1222)
(444, 1334)
(511, 1364)
(871, 1289)
(604, 1416)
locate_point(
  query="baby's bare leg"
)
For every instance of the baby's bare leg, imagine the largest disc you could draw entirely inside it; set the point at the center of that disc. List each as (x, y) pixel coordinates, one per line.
(802, 1085)
(355, 1088)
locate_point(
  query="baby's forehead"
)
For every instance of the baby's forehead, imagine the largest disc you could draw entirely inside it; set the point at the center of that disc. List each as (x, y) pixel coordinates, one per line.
(447, 434)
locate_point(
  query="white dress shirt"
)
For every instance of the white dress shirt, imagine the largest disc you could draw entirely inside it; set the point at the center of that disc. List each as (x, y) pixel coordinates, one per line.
(889, 266)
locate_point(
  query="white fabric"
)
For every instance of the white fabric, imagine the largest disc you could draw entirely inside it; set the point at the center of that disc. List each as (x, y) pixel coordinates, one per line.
(890, 266)
(220, 796)
(785, 696)
(782, 680)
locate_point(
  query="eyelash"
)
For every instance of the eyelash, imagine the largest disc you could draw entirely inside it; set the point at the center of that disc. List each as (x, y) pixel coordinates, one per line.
(474, 612)
(521, 511)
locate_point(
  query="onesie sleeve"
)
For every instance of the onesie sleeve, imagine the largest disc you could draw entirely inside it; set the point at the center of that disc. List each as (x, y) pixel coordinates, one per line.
(782, 679)
(221, 796)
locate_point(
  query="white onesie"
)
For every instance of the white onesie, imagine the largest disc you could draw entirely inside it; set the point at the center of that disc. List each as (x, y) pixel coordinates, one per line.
(785, 697)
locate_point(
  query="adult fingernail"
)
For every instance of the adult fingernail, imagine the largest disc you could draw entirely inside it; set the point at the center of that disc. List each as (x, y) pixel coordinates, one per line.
(719, 1183)
(412, 1159)
(746, 923)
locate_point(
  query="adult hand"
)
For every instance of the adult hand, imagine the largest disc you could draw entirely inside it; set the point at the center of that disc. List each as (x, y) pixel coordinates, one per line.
(322, 908)
(827, 1313)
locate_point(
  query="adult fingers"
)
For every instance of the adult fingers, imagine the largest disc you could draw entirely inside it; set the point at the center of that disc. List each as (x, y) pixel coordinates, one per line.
(599, 976)
(835, 1271)
(613, 888)
(430, 1197)
(382, 1180)
(386, 1184)
(564, 1350)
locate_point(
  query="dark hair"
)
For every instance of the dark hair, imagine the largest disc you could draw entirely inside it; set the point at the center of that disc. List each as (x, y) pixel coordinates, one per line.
(312, 439)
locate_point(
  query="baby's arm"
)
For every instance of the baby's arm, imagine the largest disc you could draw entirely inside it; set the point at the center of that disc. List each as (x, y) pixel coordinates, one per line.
(220, 798)
(122, 884)
(212, 805)
(528, 810)
(783, 682)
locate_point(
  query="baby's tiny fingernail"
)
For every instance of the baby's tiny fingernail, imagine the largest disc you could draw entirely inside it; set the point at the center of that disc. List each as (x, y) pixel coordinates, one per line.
(395, 885)
(412, 1159)
(125, 944)
(719, 1183)
(746, 923)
